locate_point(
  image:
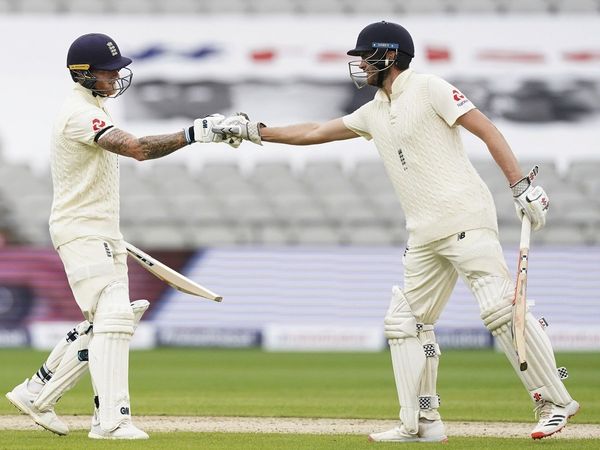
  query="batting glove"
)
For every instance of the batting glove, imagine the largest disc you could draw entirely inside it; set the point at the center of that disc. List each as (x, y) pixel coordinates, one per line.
(240, 126)
(530, 201)
(202, 130)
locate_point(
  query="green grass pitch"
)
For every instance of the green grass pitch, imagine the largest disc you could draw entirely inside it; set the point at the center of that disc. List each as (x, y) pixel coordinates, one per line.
(474, 386)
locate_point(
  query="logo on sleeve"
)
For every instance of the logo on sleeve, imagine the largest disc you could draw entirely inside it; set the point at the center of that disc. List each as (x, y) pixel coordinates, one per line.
(457, 95)
(459, 98)
(98, 124)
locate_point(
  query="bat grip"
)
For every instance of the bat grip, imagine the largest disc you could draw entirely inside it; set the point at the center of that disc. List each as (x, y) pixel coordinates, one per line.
(525, 232)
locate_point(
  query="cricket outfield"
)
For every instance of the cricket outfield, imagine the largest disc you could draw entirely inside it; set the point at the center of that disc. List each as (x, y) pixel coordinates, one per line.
(213, 398)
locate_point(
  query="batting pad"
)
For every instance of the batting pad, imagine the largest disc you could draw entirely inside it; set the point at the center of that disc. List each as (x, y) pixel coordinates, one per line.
(69, 369)
(541, 378)
(68, 361)
(408, 358)
(50, 366)
(428, 398)
(109, 355)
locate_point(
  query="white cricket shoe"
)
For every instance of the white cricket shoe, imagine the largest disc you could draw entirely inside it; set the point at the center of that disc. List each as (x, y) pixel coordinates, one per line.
(552, 418)
(126, 430)
(429, 431)
(23, 400)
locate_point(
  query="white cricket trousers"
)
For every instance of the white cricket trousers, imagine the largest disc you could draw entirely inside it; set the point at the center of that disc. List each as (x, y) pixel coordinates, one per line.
(431, 270)
(91, 264)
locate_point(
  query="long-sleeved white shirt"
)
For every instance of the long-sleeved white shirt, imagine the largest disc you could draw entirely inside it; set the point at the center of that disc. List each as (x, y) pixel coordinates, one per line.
(420, 145)
(84, 175)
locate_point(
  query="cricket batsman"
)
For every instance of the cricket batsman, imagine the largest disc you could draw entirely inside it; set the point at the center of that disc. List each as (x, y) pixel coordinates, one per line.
(451, 219)
(84, 227)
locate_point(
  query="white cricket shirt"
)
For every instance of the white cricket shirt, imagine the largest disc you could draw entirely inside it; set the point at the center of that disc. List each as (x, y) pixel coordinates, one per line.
(85, 176)
(420, 145)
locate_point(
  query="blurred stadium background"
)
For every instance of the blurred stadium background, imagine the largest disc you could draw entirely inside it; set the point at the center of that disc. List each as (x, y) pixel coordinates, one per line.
(303, 243)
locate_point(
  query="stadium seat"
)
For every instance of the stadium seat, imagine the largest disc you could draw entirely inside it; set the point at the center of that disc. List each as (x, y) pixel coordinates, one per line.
(366, 170)
(505, 207)
(368, 235)
(278, 184)
(275, 206)
(510, 234)
(349, 208)
(581, 171)
(425, 6)
(592, 233)
(134, 7)
(186, 7)
(158, 236)
(235, 6)
(298, 208)
(547, 168)
(195, 208)
(214, 235)
(272, 170)
(275, 178)
(172, 179)
(579, 212)
(262, 7)
(317, 235)
(223, 178)
(325, 176)
(370, 7)
(563, 201)
(522, 6)
(473, 6)
(591, 187)
(399, 235)
(245, 208)
(319, 7)
(133, 181)
(33, 208)
(491, 174)
(562, 234)
(88, 7)
(271, 7)
(268, 234)
(34, 233)
(144, 209)
(37, 6)
(6, 7)
(574, 6)
(370, 177)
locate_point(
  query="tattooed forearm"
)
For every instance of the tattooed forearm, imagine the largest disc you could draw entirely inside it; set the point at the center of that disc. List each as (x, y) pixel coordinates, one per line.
(149, 147)
(157, 146)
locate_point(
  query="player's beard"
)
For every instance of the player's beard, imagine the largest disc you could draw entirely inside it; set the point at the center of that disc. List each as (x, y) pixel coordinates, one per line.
(372, 77)
(377, 77)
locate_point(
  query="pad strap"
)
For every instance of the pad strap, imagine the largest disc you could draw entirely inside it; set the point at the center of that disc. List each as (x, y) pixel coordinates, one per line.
(429, 401)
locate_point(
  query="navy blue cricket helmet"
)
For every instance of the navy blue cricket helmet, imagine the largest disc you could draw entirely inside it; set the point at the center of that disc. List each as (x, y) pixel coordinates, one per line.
(97, 51)
(373, 45)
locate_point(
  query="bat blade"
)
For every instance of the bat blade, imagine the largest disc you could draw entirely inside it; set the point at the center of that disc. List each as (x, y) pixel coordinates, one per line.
(170, 276)
(519, 306)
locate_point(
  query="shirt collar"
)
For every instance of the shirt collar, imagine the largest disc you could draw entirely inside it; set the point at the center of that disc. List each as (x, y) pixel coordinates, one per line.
(398, 86)
(89, 95)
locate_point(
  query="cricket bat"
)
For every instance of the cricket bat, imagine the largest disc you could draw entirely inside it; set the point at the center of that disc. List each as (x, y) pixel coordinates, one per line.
(170, 276)
(519, 306)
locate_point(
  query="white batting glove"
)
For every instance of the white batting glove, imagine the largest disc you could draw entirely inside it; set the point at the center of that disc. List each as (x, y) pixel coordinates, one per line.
(531, 201)
(230, 121)
(202, 130)
(241, 127)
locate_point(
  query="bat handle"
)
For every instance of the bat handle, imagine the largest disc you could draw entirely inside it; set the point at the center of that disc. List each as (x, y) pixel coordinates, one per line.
(525, 232)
